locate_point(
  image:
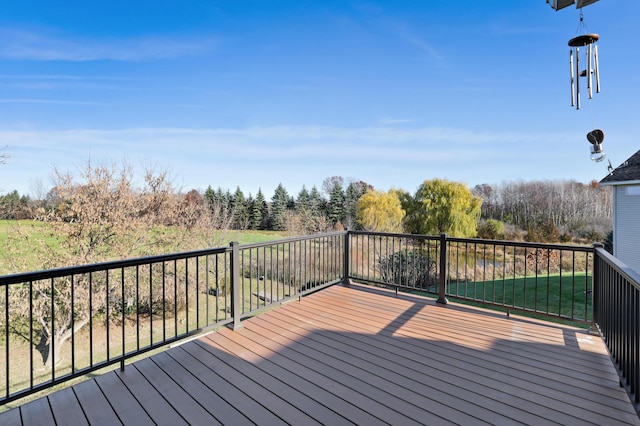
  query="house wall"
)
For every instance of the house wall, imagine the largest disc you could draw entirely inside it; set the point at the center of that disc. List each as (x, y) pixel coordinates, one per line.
(626, 224)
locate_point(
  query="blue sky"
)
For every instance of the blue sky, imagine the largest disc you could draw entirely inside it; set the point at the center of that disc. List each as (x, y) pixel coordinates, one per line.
(255, 93)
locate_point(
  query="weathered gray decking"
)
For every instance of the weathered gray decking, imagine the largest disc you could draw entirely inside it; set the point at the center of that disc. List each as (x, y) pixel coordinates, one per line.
(358, 355)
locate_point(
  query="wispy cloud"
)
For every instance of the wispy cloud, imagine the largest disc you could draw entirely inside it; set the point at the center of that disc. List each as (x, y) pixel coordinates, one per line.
(263, 156)
(55, 82)
(402, 31)
(48, 101)
(58, 77)
(393, 121)
(282, 142)
(18, 44)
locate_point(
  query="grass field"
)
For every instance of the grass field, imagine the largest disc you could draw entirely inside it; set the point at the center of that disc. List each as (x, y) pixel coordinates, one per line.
(21, 239)
(35, 229)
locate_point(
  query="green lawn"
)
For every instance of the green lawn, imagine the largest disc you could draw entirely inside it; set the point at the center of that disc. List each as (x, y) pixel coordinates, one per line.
(253, 237)
(566, 295)
(35, 229)
(20, 241)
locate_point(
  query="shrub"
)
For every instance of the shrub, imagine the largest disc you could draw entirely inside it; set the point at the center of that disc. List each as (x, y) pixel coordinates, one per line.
(413, 268)
(594, 236)
(544, 233)
(491, 229)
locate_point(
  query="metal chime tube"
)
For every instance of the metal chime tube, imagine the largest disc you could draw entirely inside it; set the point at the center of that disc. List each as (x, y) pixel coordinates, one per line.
(595, 68)
(588, 71)
(577, 80)
(573, 92)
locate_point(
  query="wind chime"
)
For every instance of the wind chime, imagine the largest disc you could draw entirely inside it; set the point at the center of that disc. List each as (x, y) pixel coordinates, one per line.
(591, 71)
(584, 50)
(583, 63)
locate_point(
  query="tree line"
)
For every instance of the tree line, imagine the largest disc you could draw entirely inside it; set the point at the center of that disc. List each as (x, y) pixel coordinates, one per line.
(309, 211)
(550, 210)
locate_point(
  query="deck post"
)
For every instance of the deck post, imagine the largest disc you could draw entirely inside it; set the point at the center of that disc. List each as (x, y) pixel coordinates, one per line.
(346, 267)
(236, 309)
(595, 274)
(443, 270)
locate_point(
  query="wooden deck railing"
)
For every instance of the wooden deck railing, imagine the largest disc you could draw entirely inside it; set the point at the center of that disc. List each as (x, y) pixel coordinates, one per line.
(59, 324)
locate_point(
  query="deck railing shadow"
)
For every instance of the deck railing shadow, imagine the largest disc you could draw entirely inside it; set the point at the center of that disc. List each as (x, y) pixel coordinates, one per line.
(401, 370)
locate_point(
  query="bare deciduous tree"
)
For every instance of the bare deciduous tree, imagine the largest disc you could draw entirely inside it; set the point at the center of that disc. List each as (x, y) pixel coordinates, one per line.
(567, 205)
(100, 215)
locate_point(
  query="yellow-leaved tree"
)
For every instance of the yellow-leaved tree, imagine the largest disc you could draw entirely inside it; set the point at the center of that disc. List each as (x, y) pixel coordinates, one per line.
(380, 211)
(440, 205)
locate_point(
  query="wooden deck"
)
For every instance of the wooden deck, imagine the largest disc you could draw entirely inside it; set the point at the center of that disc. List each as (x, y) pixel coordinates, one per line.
(358, 355)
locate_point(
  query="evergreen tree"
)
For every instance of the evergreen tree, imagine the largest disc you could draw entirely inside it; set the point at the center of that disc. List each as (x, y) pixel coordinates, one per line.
(335, 208)
(210, 196)
(303, 210)
(10, 204)
(219, 201)
(352, 195)
(258, 211)
(303, 202)
(249, 202)
(316, 203)
(227, 199)
(265, 212)
(279, 202)
(240, 210)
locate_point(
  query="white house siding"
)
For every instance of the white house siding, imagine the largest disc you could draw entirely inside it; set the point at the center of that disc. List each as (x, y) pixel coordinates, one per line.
(626, 242)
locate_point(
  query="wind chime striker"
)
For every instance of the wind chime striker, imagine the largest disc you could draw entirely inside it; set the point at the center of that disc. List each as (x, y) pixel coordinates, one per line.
(595, 138)
(584, 48)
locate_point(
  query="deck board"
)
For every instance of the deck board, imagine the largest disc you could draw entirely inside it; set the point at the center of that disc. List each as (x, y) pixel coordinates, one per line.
(149, 398)
(67, 408)
(122, 401)
(299, 393)
(429, 382)
(375, 392)
(11, 417)
(37, 412)
(215, 405)
(443, 328)
(359, 355)
(187, 407)
(257, 385)
(349, 401)
(201, 365)
(94, 403)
